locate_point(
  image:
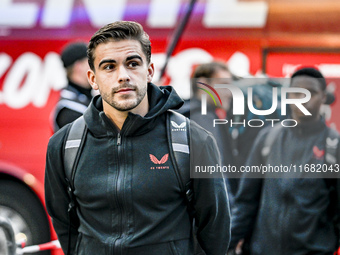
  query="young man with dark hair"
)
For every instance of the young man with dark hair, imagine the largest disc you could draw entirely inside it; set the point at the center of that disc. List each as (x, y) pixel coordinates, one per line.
(295, 212)
(128, 196)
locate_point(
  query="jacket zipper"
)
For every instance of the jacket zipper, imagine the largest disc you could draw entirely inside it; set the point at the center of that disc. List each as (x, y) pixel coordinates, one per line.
(118, 249)
(119, 141)
(117, 244)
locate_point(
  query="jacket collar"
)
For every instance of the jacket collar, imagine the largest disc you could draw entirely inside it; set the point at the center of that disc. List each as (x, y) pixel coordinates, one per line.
(310, 128)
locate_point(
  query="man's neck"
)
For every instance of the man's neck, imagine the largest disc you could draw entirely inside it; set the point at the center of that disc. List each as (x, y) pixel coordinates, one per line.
(80, 80)
(307, 121)
(118, 117)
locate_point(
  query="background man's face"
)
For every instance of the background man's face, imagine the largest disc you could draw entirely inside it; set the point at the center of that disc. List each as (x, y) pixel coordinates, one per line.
(313, 105)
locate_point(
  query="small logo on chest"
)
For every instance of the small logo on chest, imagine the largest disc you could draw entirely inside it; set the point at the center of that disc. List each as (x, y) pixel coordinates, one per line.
(159, 164)
(180, 127)
(318, 154)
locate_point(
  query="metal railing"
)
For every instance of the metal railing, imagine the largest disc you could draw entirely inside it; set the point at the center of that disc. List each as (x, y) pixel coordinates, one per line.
(8, 245)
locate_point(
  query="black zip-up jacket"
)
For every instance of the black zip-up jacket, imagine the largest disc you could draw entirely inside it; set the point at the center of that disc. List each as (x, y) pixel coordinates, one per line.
(128, 203)
(287, 216)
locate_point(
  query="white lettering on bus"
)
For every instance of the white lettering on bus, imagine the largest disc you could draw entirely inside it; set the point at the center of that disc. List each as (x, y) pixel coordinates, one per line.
(234, 13)
(30, 79)
(161, 13)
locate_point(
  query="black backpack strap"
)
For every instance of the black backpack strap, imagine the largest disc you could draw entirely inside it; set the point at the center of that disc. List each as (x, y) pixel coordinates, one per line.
(72, 150)
(178, 129)
(178, 134)
(73, 145)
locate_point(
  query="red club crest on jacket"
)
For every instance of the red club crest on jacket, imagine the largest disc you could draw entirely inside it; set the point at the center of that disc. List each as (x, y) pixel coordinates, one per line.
(318, 153)
(163, 160)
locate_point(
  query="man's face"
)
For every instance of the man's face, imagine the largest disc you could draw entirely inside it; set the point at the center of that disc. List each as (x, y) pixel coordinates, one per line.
(80, 69)
(318, 97)
(121, 74)
(223, 77)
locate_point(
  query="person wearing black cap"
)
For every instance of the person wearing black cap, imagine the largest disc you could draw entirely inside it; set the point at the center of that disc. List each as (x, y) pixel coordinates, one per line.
(293, 211)
(77, 95)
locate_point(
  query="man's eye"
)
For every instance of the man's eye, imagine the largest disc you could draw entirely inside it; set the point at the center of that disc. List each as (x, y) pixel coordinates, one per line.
(133, 64)
(108, 67)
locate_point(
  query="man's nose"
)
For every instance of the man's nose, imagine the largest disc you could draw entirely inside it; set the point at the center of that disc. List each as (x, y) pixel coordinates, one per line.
(123, 75)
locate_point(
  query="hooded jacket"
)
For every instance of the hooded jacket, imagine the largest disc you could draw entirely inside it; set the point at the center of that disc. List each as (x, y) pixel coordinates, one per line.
(284, 216)
(128, 197)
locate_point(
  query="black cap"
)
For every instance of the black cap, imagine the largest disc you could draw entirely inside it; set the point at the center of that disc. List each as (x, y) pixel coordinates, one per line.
(73, 52)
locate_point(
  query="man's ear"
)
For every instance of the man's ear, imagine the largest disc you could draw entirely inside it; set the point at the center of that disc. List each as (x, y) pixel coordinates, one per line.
(330, 98)
(91, 77)
(324, 98)
(151, 72)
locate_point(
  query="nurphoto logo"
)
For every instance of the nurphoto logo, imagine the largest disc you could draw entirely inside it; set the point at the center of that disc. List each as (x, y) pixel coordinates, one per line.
(238, 104)
(204, 97)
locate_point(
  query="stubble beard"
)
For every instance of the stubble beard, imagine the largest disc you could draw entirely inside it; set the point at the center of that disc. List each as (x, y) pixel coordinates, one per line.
(125, 102)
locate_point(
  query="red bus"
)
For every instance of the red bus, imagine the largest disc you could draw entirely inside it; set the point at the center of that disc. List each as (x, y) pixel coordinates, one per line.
(253, 36)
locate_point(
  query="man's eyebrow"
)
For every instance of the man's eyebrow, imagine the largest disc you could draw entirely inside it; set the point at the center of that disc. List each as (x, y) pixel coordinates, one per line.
(106, 61)
(134, 56)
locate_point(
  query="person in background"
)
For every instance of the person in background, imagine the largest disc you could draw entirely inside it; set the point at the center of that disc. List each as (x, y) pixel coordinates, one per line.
(215, 72)
(77, 95)
(297, 212)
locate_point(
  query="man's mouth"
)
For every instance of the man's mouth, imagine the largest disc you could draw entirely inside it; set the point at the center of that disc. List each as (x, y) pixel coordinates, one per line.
(125, 90)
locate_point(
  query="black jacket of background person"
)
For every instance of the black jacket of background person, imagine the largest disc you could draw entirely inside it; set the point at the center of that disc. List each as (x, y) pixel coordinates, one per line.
(220, 132)
(192, 110)
(125, 204)
(73, 101)
(288, 215)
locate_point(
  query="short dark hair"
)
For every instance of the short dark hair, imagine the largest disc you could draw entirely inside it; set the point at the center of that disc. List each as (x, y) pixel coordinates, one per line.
(206, 70)
(117, 31)
(311, 72)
